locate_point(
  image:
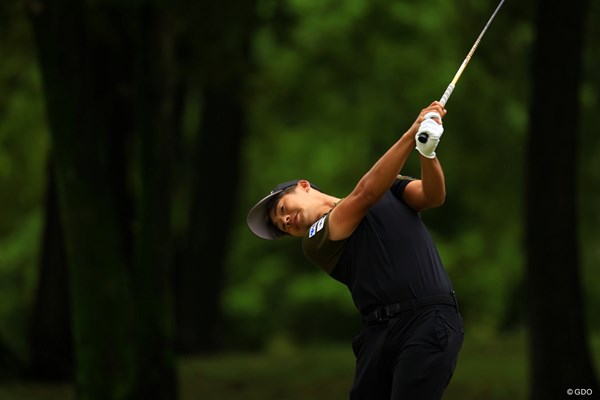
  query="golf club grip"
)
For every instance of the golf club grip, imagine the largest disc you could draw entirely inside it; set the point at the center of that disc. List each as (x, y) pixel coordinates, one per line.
(447, 94)
(424, 136)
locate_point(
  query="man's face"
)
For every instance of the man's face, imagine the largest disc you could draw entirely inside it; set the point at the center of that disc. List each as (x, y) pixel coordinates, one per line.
(295, 211)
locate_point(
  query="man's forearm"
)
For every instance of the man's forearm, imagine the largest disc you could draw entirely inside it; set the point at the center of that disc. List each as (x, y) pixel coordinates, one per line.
(383, 173)
(381, 176)
(432, 178)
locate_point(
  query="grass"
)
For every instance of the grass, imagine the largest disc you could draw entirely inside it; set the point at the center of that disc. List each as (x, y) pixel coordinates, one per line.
(314, 373)
(489, 368)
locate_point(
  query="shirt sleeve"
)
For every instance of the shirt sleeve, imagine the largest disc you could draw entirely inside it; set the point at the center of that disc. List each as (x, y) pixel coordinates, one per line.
(319, 249)
(399, 185)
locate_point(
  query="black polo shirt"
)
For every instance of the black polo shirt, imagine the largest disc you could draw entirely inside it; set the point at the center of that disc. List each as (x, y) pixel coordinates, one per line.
(389, 258)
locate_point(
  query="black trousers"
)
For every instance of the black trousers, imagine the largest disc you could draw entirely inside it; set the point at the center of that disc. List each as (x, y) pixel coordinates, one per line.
(410, 357)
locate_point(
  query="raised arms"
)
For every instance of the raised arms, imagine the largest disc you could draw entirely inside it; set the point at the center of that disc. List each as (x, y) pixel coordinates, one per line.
(421, 194)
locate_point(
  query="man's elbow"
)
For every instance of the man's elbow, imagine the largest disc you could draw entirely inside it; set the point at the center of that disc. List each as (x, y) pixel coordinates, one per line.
(421, 197)
(434, 200)
(439, 199)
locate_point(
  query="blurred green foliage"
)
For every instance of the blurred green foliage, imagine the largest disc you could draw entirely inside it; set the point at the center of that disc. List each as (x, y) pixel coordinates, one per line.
(339, 84)
(329, 98)
(335, 83)
(24, 144)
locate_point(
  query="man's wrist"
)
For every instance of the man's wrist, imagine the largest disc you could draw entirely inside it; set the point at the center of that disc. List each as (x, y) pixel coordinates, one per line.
(428, 157)
(410, 136)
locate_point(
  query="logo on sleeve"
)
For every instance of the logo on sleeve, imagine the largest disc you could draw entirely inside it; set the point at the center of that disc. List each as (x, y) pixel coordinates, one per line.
(316, 227)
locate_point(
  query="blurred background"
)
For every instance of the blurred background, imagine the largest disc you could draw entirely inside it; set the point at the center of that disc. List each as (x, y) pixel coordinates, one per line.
(136, 135)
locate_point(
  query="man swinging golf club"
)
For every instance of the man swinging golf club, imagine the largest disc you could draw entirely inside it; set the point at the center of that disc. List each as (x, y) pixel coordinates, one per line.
(374, 241)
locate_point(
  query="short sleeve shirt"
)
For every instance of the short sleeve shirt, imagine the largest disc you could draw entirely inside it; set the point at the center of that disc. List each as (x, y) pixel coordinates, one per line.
(389, 258)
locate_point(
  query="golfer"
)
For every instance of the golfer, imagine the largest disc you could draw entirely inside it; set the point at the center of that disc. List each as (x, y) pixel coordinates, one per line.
(374, 242)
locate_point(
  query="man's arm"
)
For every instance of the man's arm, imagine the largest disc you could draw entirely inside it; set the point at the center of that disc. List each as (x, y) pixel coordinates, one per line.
(430, 190)
(346, 216)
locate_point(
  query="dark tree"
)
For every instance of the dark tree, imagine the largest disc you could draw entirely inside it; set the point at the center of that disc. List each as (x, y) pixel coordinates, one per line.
(104, 69)
(218, 58)
(51, 339)
(560, 357)
(155, 373)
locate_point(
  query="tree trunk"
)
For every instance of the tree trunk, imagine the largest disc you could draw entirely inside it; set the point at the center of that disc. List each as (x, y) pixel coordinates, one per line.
(560, 358)
(94, 239)
(223, 62)
(201, 276)
(155, 372)
(51, 339)
(87, 53)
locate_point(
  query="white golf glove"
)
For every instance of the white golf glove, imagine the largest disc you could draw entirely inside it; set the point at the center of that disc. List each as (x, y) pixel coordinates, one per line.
(434, 132)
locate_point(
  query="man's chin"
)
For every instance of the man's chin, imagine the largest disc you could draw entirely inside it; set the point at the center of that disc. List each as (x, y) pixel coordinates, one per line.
(299, 234)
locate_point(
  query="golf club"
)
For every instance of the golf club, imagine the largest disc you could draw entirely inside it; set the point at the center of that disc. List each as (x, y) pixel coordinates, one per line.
(424, 136)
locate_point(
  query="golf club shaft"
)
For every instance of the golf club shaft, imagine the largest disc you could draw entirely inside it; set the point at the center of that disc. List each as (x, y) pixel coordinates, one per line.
(424, 136)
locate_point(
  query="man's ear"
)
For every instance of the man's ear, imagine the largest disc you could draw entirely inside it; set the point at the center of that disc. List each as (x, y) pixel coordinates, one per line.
(304, 185)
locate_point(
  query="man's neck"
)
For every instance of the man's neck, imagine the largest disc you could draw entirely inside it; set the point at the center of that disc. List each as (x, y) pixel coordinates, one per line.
(329, 203)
